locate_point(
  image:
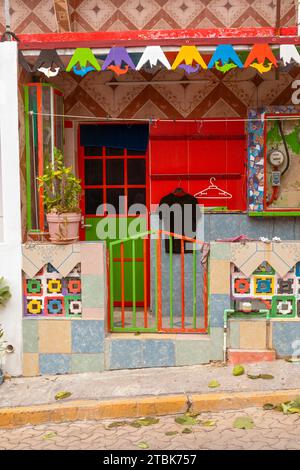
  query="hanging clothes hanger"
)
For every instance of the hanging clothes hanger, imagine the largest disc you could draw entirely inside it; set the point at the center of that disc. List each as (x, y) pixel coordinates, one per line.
(213, 192)
(179, 190)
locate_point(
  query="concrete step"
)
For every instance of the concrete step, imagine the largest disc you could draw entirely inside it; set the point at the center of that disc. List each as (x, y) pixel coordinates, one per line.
(244, 356)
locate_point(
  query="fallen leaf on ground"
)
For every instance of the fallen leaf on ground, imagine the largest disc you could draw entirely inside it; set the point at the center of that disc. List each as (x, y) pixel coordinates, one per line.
(144, 422)
(186, 420)
(268, 406)
(261, 376)
(117, 424)
(243, 422)
(213, 384)
(238, 370)
(208, 423)
(186, 431)
(50, 435)
(143, 445)
(62, 395)
(171, 433)
(250, 376)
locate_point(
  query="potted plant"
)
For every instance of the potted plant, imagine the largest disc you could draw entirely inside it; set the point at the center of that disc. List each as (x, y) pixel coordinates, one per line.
(61, 193)
(4, 297)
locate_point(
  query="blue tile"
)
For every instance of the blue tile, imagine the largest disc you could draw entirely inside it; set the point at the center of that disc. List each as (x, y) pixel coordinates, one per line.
(126, 354)
(286, 338)
(217, 305)
(55, 363)
(158, 353)
(87, 336)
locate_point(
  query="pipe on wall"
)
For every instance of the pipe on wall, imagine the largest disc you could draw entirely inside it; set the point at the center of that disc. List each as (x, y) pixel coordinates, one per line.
(7, 14)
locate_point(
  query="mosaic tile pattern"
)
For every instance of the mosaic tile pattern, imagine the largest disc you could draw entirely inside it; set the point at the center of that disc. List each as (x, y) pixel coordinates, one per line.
(280, 295)
(43, 16)
(256, 154)
(49, 294)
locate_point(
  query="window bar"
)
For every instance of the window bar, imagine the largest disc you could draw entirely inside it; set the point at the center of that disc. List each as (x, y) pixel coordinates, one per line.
(182, 281)
(205, 296)
(158, 270)
(133, 285)
(194, 286)
(122, 286)
(171, 278)
(111, 279)
(145, 283)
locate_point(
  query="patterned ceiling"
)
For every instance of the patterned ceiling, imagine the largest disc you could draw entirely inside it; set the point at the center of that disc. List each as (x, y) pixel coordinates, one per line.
(39, 16)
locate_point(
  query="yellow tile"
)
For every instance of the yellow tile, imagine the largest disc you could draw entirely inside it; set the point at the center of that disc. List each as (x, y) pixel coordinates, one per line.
(30, 364)
(219, 277)
(253, 335)
(55, 336)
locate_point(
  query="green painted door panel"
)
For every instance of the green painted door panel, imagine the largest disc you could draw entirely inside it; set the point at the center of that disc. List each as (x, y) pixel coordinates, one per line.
(121, 228)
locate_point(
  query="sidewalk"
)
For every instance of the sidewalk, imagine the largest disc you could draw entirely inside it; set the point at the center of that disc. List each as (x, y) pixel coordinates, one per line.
(141, 392)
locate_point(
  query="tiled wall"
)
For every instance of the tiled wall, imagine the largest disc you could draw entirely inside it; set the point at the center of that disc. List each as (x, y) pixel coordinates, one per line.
(38, 16)
(62, 343)
(251, 334)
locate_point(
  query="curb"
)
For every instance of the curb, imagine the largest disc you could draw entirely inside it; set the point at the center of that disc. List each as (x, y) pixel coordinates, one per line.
(137, 407)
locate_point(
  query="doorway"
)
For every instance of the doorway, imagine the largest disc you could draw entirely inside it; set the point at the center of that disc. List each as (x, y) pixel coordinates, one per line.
(113, 168)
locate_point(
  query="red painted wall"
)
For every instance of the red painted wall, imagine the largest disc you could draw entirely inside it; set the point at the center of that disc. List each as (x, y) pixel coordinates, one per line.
(188, 154)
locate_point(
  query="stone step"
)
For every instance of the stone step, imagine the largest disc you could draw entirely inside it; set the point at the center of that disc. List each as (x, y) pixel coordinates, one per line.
(244, 356)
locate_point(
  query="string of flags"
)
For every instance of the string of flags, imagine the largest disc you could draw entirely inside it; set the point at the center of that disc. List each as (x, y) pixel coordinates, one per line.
(120, 61)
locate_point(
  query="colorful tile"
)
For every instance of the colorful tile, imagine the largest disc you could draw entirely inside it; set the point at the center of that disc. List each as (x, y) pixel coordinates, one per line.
(264, 268)
(92, 291)
(72, 285)
(34, 306)
(158, 353)
(33, 287)
(285, 286)
(54, 286)
(51, 269)
(241, 286)
(264, 285)
(283, 306)
(54, 306)
(73, 305)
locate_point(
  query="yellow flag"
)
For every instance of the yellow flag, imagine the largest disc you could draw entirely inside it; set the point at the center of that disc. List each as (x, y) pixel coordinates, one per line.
(188, 55)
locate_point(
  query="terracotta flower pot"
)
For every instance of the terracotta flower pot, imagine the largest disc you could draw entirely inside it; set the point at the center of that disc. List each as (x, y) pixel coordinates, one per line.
(64, 228)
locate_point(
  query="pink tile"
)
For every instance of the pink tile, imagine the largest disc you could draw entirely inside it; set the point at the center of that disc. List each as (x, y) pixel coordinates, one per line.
(92, 261)
(93, 313)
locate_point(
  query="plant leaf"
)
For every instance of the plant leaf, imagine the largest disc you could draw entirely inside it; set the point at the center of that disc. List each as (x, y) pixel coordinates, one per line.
(186, 420)
(268, 406)
(143, 445)
(117, 424)
(171, 433)
(293, 409)
(186, 431)
(238, 370)
(243, 422)
(148, 421)
(213, 384)
(62, 395)
(253, 376)
(208, 423)
(50, 435)
(266, 376)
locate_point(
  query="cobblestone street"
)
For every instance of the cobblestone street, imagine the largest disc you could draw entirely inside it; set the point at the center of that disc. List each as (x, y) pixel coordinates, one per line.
(272, 430)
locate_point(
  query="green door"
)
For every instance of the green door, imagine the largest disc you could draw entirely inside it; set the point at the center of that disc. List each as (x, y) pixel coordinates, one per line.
(113, 180)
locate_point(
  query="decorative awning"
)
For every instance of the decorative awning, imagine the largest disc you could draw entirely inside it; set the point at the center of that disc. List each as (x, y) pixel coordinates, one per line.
(190, 50)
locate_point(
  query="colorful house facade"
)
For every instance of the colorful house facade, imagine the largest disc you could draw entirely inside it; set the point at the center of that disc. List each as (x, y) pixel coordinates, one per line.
(152, 103)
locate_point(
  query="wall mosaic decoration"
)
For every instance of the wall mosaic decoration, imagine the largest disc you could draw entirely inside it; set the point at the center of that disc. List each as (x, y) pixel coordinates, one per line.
(280, 295)
(256, 170)
(49, 294)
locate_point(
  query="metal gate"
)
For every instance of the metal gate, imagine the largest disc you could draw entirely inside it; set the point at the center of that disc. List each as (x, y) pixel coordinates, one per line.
(175, 299)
